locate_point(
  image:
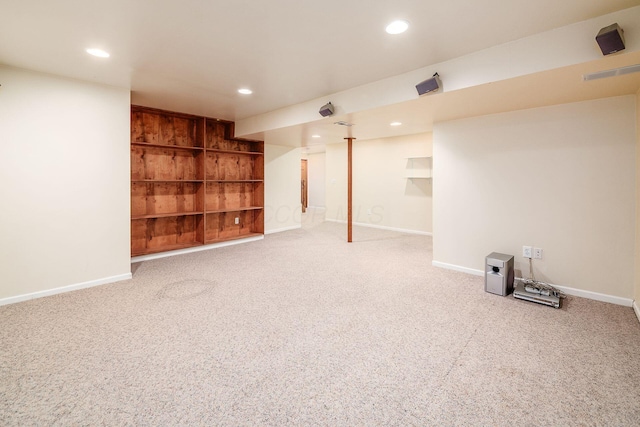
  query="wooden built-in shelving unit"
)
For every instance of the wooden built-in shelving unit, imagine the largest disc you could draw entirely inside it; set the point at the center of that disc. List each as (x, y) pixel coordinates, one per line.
(192, 183)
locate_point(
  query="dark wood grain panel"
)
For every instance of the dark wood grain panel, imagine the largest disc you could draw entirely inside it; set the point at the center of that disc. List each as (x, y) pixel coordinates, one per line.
(167, 233)
(149, 198)
(233, 195)
(224, 166)
(165, 164)
(159, 127)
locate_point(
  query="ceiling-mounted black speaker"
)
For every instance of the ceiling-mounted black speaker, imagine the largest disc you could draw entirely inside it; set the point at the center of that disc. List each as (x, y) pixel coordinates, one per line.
(611, 39)
(429, 85)
(326, 110)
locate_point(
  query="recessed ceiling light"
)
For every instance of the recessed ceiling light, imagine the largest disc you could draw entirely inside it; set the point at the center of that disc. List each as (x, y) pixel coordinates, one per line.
(98, 52)
(245, 91)
(315, 136)
(397, 27)
(395, 124)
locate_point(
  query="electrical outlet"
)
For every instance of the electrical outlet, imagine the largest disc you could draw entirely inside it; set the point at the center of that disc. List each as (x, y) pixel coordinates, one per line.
(237, 220)
(526, 251)
(537, 253)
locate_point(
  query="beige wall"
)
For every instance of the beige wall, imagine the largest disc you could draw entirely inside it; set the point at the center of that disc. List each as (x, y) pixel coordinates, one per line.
(336, 182)
(65, 184)
(637, 281)
(316, 166)
(382, 195)
(281, 188)
(560, 178)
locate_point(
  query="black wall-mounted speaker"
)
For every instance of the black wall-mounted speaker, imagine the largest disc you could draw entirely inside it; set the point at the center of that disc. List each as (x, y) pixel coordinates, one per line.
(429, 85)
(326, 110)
(611, 39)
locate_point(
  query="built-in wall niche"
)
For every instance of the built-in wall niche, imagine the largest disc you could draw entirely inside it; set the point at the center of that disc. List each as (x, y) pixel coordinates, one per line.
(419, 167)
(192, 183)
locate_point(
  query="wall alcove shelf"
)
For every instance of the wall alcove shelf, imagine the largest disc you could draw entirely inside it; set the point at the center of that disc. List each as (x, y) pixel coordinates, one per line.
(192, 183)
(419, 167)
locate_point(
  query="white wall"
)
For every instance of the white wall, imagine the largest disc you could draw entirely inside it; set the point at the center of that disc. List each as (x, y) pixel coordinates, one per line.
(281, 188)
(560, 178)
(336, 182)
(380, 185)
(65, 184)
(637, 281)
(316, 167)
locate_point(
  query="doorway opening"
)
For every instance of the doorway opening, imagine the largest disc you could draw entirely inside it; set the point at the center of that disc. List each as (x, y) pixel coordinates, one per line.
(304, 185)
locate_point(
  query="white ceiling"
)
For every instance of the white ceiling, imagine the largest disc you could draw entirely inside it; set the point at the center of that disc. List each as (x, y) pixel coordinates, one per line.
(557, 86)
(192, 55)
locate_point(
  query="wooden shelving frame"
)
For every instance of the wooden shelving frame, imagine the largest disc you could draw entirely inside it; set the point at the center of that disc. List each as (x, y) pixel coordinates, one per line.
(192, 183)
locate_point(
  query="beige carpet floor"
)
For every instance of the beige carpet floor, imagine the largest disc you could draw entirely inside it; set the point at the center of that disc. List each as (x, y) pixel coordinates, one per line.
(304, 329)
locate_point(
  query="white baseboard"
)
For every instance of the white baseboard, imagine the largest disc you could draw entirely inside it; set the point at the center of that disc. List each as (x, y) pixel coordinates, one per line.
(195, 249)
(457, 268)
(383, 227)
(63, 289)
(280, 230)
(627, 302)
(636, 308)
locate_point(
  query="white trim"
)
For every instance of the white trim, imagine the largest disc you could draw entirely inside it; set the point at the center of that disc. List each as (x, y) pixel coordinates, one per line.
(195, 249)
(636, 308)
(280, 230)
(627, 302)
(457, 268)
(63, 289)
(383, 227)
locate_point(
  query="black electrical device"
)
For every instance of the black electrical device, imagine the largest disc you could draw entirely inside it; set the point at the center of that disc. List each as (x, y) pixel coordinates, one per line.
(611, 39)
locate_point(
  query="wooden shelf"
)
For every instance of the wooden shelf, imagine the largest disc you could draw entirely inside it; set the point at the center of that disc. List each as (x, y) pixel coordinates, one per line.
(161, 249)
(166, 164)
(247, 208)
(166, 198)
(223, 196)
(164, 215)
(231, 181)
(186, 181)
(223, 166)
(172, 147)
(192, 183)
(246, 153)
(219, 138)
(221, 226)
(165, 233)
(240, 236)
(166, 129)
